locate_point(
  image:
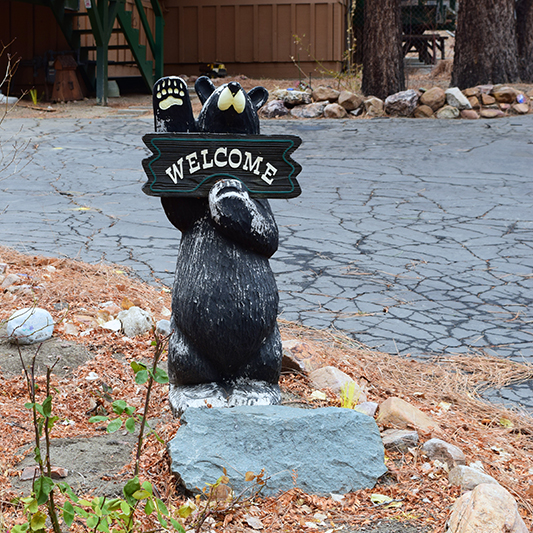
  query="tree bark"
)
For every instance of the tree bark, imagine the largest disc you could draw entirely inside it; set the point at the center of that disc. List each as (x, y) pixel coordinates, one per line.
(485, 43)
(524, 34)
(383, 73)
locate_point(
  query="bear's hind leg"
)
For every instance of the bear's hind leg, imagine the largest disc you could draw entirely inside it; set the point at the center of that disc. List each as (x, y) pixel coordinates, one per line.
(192, 381)
(259, 384)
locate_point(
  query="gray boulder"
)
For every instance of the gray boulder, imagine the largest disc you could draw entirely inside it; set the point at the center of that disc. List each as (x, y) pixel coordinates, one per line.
(292, 98)
(135, 321)
(456, 98)
(30, 326)
(309, 111)
(330, 449)
(402, 104)
(273, 109)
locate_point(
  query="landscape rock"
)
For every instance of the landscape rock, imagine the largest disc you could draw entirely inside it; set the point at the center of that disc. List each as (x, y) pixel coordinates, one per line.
(399, 439)
(30, 325)
(434, 98)
(3, 268)
(487, 508)
(334, 111)
(469, 114)
(349, 100)
(520, 109)
(487, 99)
(344, 455)
(374, 106)
(10, 280)
(448, 112)
(398, 412)
(402, 104)
(505, 95)
(485, 89)
(474, 102)
(321, 94)
(444, 452)
(135, 321)
(308, 111)
(423, 111)
(163, 327)
(292, 98)
(472, 92)
(367, 408)
(468, 478)
(113, 325)
(298, 356)
(491, 113)
(70, 329)
(330, 377)
(456, 98)
(273, 109)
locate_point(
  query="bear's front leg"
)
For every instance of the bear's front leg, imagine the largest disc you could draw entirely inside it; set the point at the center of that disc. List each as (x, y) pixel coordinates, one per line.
(242, 219)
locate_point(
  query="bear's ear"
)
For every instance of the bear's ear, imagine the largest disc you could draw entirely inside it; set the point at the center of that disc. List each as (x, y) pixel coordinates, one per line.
(258, 96)
(204, 88)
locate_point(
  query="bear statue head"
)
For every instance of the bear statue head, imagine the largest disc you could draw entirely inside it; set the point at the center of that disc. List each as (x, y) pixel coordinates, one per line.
(228, 108)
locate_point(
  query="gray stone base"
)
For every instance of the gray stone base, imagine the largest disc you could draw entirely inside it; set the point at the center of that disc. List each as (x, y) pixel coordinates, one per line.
(328, 450)
(241, 392)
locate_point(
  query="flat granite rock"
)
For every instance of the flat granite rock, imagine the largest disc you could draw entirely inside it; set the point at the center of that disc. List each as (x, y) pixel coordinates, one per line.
(328, 450)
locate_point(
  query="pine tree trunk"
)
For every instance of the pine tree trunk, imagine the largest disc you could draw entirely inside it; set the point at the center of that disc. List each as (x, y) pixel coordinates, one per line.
(524, 34)
(485, 43)
(383, 73)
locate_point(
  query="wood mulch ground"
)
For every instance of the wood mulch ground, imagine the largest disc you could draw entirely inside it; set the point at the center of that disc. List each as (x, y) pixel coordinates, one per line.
(446, 389)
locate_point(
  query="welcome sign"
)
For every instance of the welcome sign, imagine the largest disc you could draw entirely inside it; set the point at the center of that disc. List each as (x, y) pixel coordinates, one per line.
(188, 164)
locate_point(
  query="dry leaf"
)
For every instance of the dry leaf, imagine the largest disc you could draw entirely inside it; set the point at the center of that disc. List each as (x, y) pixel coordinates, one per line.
(254, 522)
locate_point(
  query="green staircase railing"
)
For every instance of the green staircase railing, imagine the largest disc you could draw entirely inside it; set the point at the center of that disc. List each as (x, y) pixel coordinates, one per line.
(102, 16)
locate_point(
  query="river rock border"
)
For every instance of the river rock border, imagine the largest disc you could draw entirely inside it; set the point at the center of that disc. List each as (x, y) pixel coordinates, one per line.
(482, 101)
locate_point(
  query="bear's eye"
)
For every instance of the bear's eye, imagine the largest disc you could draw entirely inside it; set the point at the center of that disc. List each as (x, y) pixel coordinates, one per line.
(227, 100)
(239, 102)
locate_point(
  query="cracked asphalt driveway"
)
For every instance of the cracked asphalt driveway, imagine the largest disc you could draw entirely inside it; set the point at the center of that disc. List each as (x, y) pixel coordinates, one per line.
(412, 236)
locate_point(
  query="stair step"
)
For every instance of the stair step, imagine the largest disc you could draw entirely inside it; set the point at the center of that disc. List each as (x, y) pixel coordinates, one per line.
(110, 47)
(89, 31)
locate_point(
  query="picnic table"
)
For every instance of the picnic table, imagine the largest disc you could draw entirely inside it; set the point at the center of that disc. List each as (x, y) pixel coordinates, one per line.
(427, 45)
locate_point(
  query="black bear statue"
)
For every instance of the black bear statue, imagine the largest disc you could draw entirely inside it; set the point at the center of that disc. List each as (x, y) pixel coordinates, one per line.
(225, 346)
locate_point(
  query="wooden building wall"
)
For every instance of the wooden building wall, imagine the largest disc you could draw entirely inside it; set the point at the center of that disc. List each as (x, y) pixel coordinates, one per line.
(35, 33)
(254, 37)
(32, 31)
(257, 38)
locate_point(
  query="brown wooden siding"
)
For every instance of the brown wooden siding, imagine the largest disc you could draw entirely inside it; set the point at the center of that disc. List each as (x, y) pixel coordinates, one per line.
(253, 38)
(32, 31)
(35, 32)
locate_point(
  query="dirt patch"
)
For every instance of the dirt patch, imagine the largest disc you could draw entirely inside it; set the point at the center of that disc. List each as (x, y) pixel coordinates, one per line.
(71, 355)
(95, 465)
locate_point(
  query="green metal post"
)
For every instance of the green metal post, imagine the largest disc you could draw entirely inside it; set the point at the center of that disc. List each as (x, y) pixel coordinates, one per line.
(158, 50)
(102, 74)
(159, 55)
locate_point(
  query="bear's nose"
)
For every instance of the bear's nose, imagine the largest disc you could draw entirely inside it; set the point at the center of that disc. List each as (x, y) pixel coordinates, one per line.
(234, 87)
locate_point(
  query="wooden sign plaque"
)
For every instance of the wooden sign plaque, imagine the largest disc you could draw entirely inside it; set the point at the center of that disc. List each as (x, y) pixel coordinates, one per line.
(188, 164)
